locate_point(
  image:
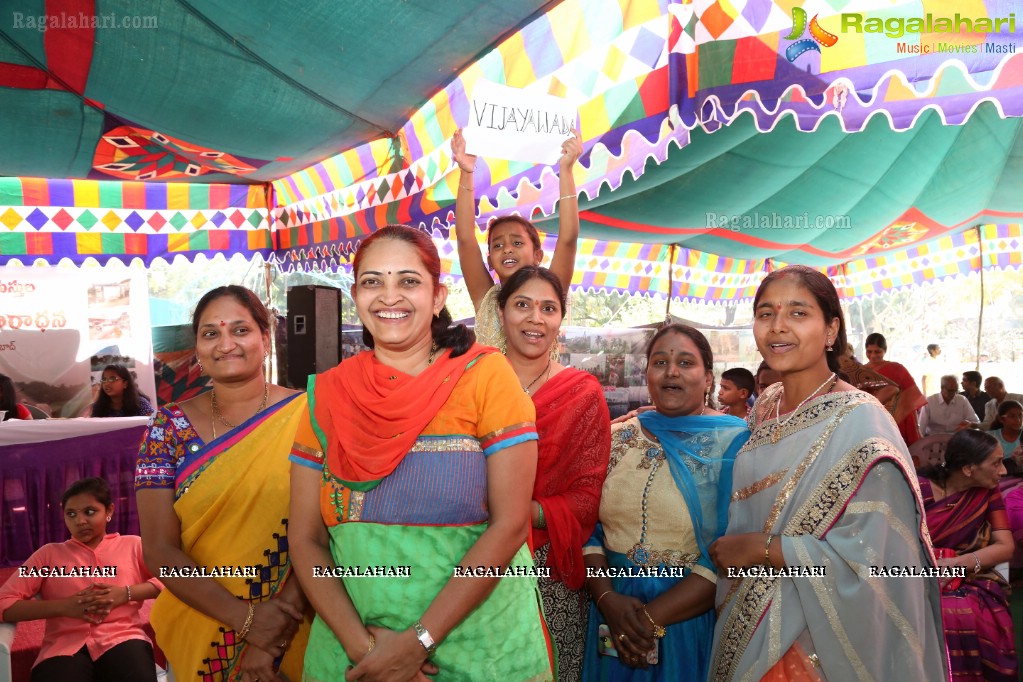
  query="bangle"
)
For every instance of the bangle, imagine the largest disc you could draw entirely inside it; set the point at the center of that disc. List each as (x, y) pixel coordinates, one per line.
(603, 594)
(659, 631)
(541, 522)
(372, 643)
(977, 559)
(569, 196)
(248, 622)
(467, 189)
(127, 588)
(767, 550)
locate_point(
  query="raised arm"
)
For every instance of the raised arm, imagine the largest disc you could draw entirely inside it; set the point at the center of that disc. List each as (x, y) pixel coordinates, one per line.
(563, 260)
(477, 277)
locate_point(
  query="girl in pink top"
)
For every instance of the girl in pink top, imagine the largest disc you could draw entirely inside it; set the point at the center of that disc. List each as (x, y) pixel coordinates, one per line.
(90, 589)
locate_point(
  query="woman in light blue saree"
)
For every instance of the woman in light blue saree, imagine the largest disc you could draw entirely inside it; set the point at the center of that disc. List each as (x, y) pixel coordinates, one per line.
(824, 486)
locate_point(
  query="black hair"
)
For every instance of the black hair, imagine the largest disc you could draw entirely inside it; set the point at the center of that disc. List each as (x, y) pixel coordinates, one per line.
(973, 377)
(523, 275)
(8, 397)
(530, 229)
(1003, 409)
(95, 486)
(876, 339)
(244, 296)
(824, 292)
(966, 447)
(701, 343)
(931, 347)
(129, 400)
(458, 338)
(742, 378)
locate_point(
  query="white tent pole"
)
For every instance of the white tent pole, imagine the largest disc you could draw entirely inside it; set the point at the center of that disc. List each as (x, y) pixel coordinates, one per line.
(671, 282)
(980, 316)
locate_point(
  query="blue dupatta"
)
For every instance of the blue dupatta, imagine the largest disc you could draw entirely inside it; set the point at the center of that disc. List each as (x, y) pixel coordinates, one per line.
(701, 451)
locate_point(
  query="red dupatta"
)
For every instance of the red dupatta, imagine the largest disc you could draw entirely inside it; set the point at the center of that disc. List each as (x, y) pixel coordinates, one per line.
(374, 413)
(574, 426)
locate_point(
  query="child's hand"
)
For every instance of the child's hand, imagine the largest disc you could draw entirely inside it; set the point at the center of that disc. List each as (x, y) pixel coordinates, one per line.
(466, 162)
(571, 150)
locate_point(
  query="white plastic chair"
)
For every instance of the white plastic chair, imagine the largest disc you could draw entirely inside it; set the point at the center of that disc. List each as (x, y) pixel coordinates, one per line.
(6, 644)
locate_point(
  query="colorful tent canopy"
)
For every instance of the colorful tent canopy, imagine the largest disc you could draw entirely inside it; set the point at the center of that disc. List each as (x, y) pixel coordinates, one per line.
(742, 130)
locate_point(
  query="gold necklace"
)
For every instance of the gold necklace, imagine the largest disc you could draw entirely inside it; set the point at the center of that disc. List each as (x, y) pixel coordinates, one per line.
(215, 414)
(778, 423)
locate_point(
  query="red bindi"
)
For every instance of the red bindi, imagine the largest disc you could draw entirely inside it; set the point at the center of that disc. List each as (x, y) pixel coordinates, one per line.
(223, 324)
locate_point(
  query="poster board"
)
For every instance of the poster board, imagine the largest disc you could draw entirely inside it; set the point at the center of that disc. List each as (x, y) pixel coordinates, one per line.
(60, 326)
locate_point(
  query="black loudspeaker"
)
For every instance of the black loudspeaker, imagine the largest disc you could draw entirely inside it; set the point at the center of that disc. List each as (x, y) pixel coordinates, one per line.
(314, 332)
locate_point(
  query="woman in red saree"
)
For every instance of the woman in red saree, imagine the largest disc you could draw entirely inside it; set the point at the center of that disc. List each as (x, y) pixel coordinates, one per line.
(909, 400)
(968, 525)
(574, 427)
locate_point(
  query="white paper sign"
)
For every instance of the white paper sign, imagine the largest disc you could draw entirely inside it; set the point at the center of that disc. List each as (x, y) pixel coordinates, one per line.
(509, 123)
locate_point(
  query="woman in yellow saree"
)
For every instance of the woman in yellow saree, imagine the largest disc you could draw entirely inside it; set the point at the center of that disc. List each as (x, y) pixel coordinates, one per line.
(212, 489)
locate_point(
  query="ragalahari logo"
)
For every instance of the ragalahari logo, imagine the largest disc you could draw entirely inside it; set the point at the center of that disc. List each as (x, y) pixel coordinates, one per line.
(799, 26)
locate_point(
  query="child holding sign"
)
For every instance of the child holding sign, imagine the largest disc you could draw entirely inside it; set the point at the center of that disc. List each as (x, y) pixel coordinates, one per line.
(512, 241)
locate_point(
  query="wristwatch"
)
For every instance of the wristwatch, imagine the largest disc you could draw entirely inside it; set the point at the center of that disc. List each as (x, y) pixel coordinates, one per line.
(424, 638)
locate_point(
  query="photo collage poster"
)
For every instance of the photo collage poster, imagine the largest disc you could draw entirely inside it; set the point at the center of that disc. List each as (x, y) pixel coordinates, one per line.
(59, 327)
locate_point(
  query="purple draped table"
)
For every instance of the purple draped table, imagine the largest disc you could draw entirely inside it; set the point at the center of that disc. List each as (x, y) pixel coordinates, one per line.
(34, 474)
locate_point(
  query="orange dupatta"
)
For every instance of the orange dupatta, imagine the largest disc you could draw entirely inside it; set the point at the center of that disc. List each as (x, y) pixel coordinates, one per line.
(367, 415)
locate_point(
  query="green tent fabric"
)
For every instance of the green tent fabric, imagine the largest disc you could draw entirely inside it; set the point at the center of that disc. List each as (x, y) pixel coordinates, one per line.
(815, 198)
(273, 86)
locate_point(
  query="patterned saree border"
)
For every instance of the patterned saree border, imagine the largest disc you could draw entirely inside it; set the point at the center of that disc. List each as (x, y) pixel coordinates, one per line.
(222, 445)
(755, 594)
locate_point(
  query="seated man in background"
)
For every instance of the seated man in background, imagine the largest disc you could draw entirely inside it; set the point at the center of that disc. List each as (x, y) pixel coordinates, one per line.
(995, 387)
(971, 391)
(947, 411)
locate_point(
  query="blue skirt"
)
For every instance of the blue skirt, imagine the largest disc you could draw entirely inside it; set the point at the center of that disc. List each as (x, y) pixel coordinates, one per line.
(684, 652)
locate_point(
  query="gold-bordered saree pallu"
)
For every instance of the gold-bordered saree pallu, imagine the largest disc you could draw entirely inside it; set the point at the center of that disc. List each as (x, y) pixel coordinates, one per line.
(231, 497)
(839, 488)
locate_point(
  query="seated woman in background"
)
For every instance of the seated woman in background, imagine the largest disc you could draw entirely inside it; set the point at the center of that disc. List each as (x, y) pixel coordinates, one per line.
(1007, 428)
(966, 516)
(119, 395)
(664, 502)
(93, 629)
(573, 423)
(862, 377)
(9, 404)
